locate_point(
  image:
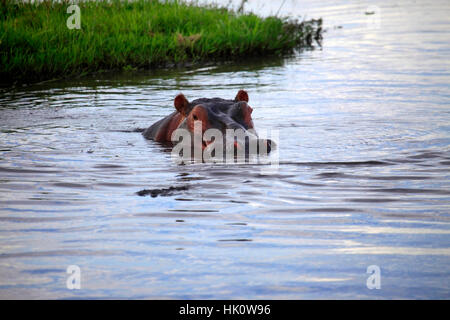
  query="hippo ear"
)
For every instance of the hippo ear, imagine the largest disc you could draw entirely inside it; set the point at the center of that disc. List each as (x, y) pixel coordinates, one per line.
(181, 104)
(242, 95)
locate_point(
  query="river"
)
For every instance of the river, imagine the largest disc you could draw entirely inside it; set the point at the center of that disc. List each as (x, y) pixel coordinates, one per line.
(361, 181)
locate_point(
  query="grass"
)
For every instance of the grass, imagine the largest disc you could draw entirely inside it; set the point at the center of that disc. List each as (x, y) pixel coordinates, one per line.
(36, 44)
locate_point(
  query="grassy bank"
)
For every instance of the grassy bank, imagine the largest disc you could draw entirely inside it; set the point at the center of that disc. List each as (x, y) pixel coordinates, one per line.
(36, 44)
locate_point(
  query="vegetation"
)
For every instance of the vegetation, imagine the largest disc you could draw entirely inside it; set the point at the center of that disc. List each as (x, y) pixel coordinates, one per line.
(36, 44)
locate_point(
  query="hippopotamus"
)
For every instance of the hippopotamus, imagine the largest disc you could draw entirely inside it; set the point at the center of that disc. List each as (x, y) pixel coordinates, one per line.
(211, 113)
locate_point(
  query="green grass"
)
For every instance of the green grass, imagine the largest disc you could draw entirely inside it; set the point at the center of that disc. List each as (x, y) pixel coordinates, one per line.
(35, 43)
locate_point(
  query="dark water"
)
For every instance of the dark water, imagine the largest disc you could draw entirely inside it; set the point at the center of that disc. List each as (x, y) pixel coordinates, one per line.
(363, 176)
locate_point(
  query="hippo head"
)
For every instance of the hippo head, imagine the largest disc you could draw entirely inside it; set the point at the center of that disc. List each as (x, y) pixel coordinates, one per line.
(229, 119)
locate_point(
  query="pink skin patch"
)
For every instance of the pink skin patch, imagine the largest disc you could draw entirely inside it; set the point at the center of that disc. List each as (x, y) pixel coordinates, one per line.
(247, 112)
(198, 113)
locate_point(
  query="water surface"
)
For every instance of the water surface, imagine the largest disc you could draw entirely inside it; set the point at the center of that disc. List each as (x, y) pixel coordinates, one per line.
(363, 176)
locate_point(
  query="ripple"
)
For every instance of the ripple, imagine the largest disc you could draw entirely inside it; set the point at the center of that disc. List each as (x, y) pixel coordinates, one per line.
(408, 251)
(411, 191)
(70, 185)
(61, 253)
(21, 170)
(368, 163)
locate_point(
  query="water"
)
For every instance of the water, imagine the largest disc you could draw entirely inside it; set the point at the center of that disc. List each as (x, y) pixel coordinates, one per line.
(363, 177)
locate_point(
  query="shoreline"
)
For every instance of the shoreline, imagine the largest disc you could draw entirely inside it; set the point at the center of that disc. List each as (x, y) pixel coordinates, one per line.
(36, 43)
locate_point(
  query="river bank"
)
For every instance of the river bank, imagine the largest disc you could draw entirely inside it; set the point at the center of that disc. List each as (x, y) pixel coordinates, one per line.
(52, 40)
